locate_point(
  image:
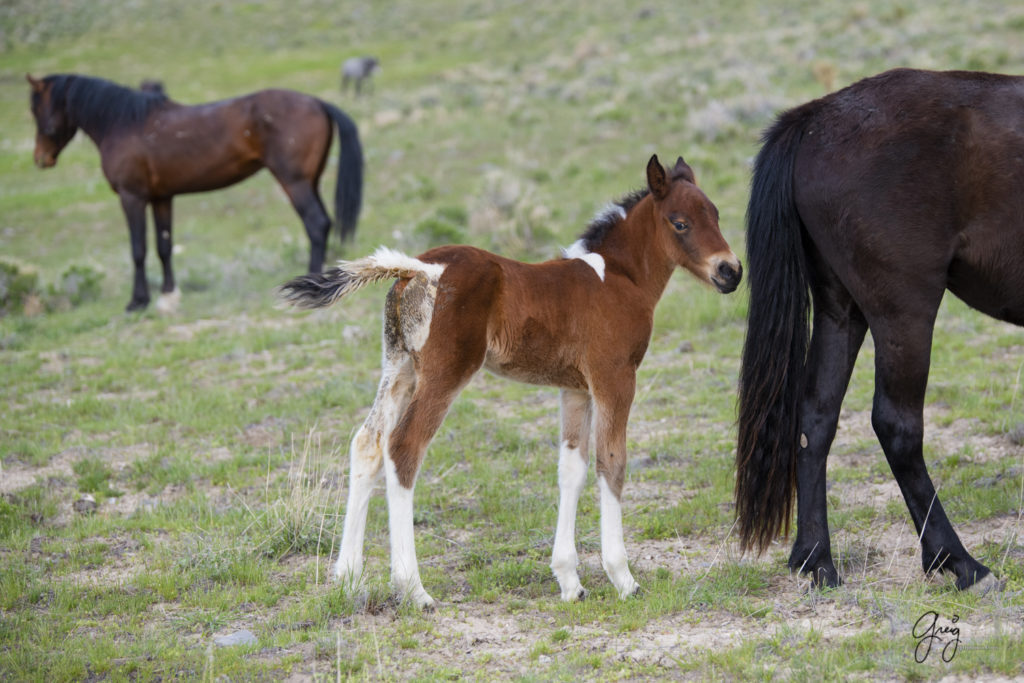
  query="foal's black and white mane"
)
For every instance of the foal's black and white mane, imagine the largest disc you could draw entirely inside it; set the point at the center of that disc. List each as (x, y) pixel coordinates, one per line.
(98, 106)
(608, 217)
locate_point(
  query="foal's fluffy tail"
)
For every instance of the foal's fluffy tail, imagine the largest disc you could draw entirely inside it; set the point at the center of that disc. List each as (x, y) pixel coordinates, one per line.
(774, 354)
(317, 290)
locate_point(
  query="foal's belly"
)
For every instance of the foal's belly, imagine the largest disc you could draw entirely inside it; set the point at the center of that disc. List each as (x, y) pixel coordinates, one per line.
(535, 371)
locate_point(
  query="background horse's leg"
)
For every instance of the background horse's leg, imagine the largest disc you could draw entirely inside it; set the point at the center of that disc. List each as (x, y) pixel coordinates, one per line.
(572, 475)
(903, 349)
(839, 329)
(612, 413)
(310, 207)
(135, 213)
(169, 298)
(366, 457)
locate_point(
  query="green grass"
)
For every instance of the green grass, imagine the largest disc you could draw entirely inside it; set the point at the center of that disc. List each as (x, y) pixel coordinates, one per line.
(215, 440)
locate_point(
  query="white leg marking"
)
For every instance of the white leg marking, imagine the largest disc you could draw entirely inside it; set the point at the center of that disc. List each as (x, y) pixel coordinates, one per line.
(365, 458)
(613, 548)
(572, 475)
(405, 573)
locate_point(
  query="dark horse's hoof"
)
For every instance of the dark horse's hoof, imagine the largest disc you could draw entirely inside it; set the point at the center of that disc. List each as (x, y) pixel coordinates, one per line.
(136, 305)
(983, 586)
(825, 577)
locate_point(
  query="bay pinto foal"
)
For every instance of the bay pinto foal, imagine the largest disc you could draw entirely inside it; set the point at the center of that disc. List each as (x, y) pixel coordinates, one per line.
(581, 323)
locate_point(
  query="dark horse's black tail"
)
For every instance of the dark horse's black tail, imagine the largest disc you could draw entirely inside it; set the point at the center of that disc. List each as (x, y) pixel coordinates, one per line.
(775, 351)
(348, 194)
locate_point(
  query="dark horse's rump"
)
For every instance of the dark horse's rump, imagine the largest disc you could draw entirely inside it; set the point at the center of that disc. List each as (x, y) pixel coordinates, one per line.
(870, 203)
(152, 148)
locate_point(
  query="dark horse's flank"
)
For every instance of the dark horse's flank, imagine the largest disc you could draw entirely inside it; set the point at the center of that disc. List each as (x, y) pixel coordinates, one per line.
(152, 148)
(870, 203)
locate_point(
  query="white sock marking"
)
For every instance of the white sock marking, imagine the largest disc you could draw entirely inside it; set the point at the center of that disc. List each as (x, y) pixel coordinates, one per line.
(613, 547)
(572, 475)
(405, 573)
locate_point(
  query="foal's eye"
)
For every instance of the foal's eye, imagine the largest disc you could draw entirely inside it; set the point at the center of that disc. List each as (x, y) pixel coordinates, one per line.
(681, 226)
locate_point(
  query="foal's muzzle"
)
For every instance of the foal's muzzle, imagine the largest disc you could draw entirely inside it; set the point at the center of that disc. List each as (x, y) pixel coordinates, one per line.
(726, 276)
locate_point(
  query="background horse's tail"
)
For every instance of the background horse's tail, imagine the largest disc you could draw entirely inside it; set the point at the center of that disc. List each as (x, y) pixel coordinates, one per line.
(316, 290)
(348, 193)
(775, 351)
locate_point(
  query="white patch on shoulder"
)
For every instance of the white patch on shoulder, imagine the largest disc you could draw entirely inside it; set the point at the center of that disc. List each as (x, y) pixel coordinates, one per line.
(396, 260)
(595, 261)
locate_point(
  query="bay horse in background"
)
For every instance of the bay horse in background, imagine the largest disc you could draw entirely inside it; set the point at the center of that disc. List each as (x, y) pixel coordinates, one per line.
(581, 323)
(152, 148)
(869, 203)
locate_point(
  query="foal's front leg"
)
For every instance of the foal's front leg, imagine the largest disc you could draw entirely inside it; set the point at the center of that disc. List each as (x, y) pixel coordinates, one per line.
(572, 475)
(610, 427)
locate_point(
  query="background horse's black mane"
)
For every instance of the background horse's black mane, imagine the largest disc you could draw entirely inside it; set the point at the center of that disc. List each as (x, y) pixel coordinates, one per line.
(602, 224)
(98, 106)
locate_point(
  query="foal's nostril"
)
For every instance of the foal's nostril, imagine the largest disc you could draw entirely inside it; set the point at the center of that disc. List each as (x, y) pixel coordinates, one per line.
(727, 272)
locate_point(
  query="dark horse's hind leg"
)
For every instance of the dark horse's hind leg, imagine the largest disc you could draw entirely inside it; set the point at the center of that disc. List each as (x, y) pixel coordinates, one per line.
(135, 213)
(310, 208)
(162, 225)
(903, 349)
(839, 329)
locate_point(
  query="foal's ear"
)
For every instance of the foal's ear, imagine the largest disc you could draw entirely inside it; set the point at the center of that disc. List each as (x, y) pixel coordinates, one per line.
(682, 170)
(657, 181)
(37, 86)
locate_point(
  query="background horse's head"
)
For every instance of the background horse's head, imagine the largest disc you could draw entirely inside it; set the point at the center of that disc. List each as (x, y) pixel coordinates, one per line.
(54, 127)
(687, 224)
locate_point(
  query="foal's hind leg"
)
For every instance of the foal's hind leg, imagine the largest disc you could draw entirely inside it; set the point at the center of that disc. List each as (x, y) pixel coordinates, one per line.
(366, 460)
(903, 350)
(436, 388)
(838, 333)
(572, 475)
(612, 401)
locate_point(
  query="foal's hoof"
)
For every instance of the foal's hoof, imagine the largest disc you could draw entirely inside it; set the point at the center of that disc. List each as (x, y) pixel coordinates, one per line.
(577, 594)
(419, 599)
(630, 590)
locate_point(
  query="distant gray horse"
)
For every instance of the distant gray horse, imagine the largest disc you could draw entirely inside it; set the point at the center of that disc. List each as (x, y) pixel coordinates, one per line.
(358, 69)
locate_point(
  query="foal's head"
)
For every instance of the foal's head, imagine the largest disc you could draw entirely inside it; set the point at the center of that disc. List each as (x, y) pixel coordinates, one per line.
(686, 222)
(54, 128)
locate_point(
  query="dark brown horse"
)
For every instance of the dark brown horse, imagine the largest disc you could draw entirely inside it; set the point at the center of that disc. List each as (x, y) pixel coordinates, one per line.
(152, 148)
(580, 323)
(869, 204)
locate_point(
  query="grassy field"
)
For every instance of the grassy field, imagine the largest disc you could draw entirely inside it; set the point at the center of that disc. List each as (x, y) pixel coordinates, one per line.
(214, 441)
